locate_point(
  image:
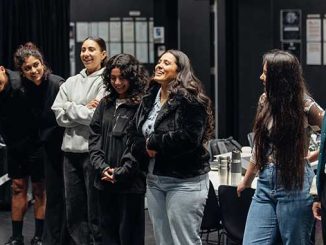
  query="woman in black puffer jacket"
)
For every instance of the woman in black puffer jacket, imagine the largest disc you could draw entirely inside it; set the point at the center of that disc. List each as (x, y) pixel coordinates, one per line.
(121, 188)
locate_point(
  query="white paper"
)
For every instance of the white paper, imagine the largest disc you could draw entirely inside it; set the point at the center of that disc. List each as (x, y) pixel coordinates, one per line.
(115, 31)
(142, 52)
(151, 53)
(324, 61)
(150, 30)
(129, 48)
(103, 30)
(93, 29)
(324, 31)
(128, 31)
(141, 31)
(81, 31)
(313, 30)
(115, 48)
(313, 53)
(158, 34)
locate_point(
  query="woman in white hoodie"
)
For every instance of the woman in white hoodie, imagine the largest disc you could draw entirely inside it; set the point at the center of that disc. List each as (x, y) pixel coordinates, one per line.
(74, 107)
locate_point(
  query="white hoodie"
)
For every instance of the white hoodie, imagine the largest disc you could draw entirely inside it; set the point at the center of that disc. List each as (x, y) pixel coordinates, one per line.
(71, 111)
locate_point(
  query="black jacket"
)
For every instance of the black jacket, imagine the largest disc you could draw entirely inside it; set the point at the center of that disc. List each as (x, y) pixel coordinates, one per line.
(26, 118)
(17, 125)
(107, 142)
(41, 99)
(177, 138)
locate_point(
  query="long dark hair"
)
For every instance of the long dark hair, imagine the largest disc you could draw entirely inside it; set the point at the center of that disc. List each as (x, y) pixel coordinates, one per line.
(187, 84)
(130, 69)
(27, 50)
(280, 122)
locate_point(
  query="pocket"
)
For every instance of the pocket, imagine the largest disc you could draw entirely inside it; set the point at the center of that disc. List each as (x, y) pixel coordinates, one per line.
(120, 126)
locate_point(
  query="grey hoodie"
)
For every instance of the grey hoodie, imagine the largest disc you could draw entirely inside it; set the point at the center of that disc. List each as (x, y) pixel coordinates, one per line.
(71, 111)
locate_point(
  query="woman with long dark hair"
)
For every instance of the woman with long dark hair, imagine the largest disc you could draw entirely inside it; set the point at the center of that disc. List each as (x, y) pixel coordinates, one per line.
(284, 121)
(167, 136)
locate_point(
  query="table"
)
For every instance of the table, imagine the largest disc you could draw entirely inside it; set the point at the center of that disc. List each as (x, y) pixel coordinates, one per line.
(229, 178)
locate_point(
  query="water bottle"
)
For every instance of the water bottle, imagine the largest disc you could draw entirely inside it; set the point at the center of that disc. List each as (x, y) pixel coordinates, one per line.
(236, 168)
(223, 170)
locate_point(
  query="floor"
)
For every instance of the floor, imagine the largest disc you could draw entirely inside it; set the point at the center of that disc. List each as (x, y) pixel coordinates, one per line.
(28, 229)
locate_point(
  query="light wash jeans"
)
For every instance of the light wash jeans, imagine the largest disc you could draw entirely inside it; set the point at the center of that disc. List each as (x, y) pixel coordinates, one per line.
(176, 208)
(276, 211)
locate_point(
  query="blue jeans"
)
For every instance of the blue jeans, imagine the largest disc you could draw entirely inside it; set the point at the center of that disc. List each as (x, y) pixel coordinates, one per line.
(276, 211)
(176, 208)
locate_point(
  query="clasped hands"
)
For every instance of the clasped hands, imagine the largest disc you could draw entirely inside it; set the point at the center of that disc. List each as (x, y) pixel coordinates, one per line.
(108, 175)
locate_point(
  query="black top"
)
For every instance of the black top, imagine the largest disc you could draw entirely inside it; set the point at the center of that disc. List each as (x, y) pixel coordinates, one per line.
(17, 126)
(26, 119)
(107, 142)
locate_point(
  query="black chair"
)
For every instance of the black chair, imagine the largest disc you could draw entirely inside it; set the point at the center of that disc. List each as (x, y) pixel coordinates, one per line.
(212, 216)
(234, 211)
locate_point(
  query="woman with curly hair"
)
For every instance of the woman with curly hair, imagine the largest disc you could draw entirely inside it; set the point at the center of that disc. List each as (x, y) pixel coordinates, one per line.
(121, 188)
(166, 138)
(284, 121)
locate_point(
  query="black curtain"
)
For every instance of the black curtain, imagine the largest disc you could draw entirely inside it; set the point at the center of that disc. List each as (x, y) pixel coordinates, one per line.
(43, 22)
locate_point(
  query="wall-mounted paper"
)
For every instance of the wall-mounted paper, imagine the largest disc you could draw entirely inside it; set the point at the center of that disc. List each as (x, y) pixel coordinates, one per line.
(313, 30)
(142, 52)
(128, 31)
(115, 31)
(81, 31)
(150, 30)
(313, 53)
(103, 30)
(115, 48)
(141, 31)
(93, 29)
(129, 48)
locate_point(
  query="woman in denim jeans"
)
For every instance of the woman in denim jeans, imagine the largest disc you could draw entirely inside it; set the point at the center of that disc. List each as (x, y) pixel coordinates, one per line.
(284, 121)
(169, 128)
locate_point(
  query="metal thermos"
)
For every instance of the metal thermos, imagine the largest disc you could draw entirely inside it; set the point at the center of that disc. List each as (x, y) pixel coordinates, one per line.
(223, 170)
(235, 167)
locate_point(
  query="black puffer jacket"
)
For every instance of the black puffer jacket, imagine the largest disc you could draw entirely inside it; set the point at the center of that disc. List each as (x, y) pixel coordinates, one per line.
(107, 142)
(177, 138)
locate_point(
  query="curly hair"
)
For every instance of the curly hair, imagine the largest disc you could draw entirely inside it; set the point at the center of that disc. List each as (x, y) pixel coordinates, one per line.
(189, 86)
(280, 123)
(130, 69)
(27, 50)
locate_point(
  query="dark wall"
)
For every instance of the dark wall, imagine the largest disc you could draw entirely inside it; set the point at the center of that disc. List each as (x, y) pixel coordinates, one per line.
(315, 75)
(194, 37)
(186, 22)
(102, 10)
(97, 10)
(255, 37)
(255, 28)
(45, 23)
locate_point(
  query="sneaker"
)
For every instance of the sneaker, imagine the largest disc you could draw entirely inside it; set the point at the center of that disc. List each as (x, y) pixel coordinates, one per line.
(36, 241)
(15, 241)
